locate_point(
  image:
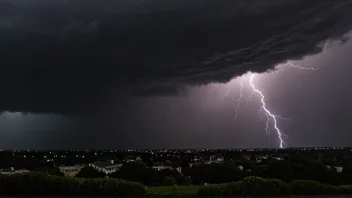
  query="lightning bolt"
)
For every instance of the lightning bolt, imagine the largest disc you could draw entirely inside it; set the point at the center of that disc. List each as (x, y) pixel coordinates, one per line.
(270, 117)
(239, 99)
(300, 67)
(281, 67)
(267, 112)
(225, 95)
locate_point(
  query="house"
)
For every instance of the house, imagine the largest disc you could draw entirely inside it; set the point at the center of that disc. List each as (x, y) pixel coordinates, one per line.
(339, 169)
(261, 157)
(11, 171)
(247, 157)
(106, 167)
(129, 159)
(70, 171)
(278, 158)
(179, 169)
(220, 159)
(159, 168)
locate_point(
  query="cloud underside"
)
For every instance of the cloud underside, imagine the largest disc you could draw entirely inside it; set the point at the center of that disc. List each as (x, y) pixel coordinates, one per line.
(67, 56)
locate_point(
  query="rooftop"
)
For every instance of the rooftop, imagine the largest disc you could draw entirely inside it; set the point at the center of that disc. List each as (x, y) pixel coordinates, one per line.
(104, 164)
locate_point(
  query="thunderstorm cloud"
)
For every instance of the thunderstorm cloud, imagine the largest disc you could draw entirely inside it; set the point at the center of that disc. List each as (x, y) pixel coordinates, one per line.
(65, 56)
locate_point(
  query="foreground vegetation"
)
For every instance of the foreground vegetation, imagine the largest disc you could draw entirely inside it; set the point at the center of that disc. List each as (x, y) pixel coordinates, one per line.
(193, 167)
(36, 184)
(175, 190)
(256, 186)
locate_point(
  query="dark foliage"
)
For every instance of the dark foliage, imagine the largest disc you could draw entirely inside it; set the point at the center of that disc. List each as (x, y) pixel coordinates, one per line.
(256, 186)
(36, 184)
(312, 188)
(137, 172)
(215, 173)
(169, 181)
(90, 172)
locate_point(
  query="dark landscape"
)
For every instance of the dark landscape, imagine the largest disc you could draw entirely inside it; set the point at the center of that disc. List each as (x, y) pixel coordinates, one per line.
(204, 172)
(175, 98)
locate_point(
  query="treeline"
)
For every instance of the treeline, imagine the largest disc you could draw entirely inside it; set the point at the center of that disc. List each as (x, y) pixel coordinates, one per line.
(48, 185)
(297, 167)
(139, 172)
(38, 184)
(256, 186)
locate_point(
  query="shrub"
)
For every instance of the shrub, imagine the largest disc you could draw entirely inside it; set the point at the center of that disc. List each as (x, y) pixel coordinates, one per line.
(213, 190)
(258, 186)
(345, 189)
(90, 172)
(249, 186)
(43, 184)
(309, 187)
(169, 181)
(234, 189)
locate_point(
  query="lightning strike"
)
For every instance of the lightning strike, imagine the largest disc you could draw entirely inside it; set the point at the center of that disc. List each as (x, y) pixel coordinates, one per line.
(263, 109)
(281, 67)
(225, 95)
(300, 67)
(239, 99)
(267, 112)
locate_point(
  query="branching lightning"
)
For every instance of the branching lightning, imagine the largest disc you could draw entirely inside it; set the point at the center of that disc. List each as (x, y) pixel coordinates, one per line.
(270, 117)
(300, 67)
(267, 112)
(239, 99)
(225, 95)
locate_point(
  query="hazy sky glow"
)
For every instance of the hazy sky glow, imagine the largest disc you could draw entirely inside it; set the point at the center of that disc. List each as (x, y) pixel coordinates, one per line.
(203, 116)
(137, 74)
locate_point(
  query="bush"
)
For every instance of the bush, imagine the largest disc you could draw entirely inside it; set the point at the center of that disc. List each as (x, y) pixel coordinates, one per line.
(345, 189)
(42, 184)
(309, 187)
(169, 181)
(257, 186)
(213, 190)
(90, 172)
(234, 188)
(249, 186)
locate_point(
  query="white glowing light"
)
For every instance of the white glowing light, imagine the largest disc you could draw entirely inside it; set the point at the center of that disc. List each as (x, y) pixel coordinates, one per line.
(300, 67)
(239, 99)
(280, 68)
(269, 115)
(267, 112)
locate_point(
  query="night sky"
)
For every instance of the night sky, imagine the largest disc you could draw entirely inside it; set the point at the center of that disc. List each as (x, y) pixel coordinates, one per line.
(88, 74)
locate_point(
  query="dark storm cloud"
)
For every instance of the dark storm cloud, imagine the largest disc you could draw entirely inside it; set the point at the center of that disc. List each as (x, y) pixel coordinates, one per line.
(63, 56)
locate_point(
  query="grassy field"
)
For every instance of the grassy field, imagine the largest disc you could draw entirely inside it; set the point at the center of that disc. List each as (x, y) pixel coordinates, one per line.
(174, 190)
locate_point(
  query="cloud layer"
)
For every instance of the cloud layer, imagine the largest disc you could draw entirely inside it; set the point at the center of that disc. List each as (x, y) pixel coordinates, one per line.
(65, 56)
